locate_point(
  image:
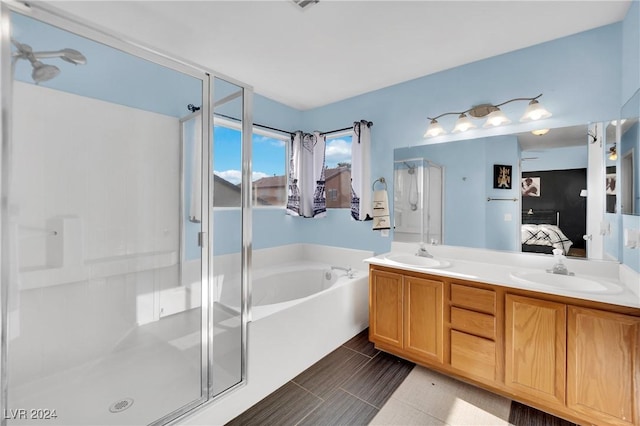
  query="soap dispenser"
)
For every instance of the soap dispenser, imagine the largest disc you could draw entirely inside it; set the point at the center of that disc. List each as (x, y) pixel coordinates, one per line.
(559, 266)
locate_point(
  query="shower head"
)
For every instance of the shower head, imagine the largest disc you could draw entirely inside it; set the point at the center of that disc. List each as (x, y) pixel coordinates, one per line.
(69, 55)
(43, 72)
(412, 167)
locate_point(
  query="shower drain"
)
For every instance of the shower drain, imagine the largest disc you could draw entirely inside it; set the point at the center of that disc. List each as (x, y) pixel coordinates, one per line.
(121, 405)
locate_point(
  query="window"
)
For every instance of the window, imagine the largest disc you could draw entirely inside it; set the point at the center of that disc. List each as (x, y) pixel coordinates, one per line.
(338, 171)
(269, 174)
(268, 157)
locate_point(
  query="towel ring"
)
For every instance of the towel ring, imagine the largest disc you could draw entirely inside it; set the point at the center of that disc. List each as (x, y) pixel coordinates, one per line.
(382, 181)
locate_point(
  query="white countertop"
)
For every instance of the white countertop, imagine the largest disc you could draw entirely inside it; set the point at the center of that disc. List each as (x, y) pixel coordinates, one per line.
(494, 267)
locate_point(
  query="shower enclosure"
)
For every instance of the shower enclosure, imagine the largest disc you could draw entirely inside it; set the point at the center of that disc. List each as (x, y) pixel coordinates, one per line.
(111, 266)
(417, 201)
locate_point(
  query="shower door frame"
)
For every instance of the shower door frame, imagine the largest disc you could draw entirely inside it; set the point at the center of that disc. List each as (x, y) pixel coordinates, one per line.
(426, 164)
(53, 16)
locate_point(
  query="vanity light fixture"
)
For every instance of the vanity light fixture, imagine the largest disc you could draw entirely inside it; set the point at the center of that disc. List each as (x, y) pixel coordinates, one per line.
(495, 117)
(540, 132)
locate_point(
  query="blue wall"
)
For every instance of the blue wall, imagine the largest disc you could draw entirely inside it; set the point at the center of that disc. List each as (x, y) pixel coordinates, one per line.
(577, 89)
(501, 232)
(630, 141)
(584, 78)
(469, 220)
(630, 64)
(464, 185)
(630, 83)
(109, 74)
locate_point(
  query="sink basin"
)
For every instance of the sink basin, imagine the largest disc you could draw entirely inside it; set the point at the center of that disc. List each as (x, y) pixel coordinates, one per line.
(417, 261)
(565, 282)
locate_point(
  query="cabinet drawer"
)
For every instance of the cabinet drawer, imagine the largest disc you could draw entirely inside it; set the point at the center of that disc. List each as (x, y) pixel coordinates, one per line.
(474, 355)
(473, 322)
(477, 299)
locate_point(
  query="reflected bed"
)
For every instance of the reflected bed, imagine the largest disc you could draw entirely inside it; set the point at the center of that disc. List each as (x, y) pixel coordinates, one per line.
(540, 232)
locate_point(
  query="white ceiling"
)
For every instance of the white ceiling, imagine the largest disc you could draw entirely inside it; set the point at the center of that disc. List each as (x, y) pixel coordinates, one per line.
(556, 138)
(336, 49)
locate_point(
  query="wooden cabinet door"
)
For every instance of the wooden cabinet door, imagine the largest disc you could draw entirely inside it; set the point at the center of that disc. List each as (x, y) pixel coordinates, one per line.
(535, 348)
(423, 319)
(603, 366)
(385, 308)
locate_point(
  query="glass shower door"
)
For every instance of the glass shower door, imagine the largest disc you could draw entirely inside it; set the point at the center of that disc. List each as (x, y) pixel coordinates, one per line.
(106, 318)
(228, 251)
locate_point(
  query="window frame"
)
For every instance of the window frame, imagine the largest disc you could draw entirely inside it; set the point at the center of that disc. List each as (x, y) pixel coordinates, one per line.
(236, 125)
(338, 135)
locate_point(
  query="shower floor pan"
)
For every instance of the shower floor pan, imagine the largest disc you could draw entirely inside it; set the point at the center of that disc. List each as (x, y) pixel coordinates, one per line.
(154, 370)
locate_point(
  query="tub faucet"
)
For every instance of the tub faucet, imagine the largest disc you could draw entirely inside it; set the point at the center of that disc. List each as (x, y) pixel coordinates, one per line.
(422, 251)
(350, 272)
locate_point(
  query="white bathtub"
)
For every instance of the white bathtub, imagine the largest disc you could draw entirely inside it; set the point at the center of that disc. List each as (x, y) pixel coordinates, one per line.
(298, 317)
(279, 286)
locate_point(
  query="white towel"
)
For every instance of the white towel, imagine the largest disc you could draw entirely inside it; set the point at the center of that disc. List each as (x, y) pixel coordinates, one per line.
(380, 207)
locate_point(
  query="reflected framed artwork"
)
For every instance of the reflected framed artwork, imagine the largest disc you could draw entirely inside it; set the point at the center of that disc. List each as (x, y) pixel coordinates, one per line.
(502, 178)
(530, 186)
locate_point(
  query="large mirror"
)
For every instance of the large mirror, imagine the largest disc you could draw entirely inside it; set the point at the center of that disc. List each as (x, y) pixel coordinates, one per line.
(519, 192)
(627, 157)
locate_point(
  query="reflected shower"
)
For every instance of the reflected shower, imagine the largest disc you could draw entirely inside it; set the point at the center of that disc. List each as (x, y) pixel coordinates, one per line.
(44, 72)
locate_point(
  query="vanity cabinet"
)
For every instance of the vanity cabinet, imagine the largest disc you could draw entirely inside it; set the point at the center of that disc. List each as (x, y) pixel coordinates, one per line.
(423, 311)
(473, 331)
(406, 314)
(603, 365)
(535, 348)
(385, 309)
(573, 358)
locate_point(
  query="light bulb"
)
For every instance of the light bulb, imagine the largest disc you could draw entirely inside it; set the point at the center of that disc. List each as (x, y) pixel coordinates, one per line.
(496, 118)
(463, 124)
(434, 129)
(540, 132)
(535, 111)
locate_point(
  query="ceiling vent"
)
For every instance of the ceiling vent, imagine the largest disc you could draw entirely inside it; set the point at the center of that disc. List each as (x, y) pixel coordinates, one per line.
(304, 4)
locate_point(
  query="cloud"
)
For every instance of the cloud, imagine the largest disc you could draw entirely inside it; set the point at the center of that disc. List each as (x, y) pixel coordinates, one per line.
(235, 176)
(266, 139)
(260, 138)
(337, 151)
(258, 175)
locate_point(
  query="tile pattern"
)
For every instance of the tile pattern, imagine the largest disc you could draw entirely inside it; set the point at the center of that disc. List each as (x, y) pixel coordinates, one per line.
(438, 399)
(523, 415)
(347, 387)
(358, 385)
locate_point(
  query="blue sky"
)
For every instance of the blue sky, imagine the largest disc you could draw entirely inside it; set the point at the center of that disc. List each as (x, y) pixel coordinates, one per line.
(268, 154)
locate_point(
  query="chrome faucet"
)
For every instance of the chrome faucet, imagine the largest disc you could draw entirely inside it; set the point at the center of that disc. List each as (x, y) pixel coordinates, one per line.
(559, 267)
(422, 251)
(350, 272)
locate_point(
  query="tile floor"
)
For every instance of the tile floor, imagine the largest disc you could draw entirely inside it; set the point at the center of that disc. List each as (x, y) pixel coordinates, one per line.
(358, 385)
